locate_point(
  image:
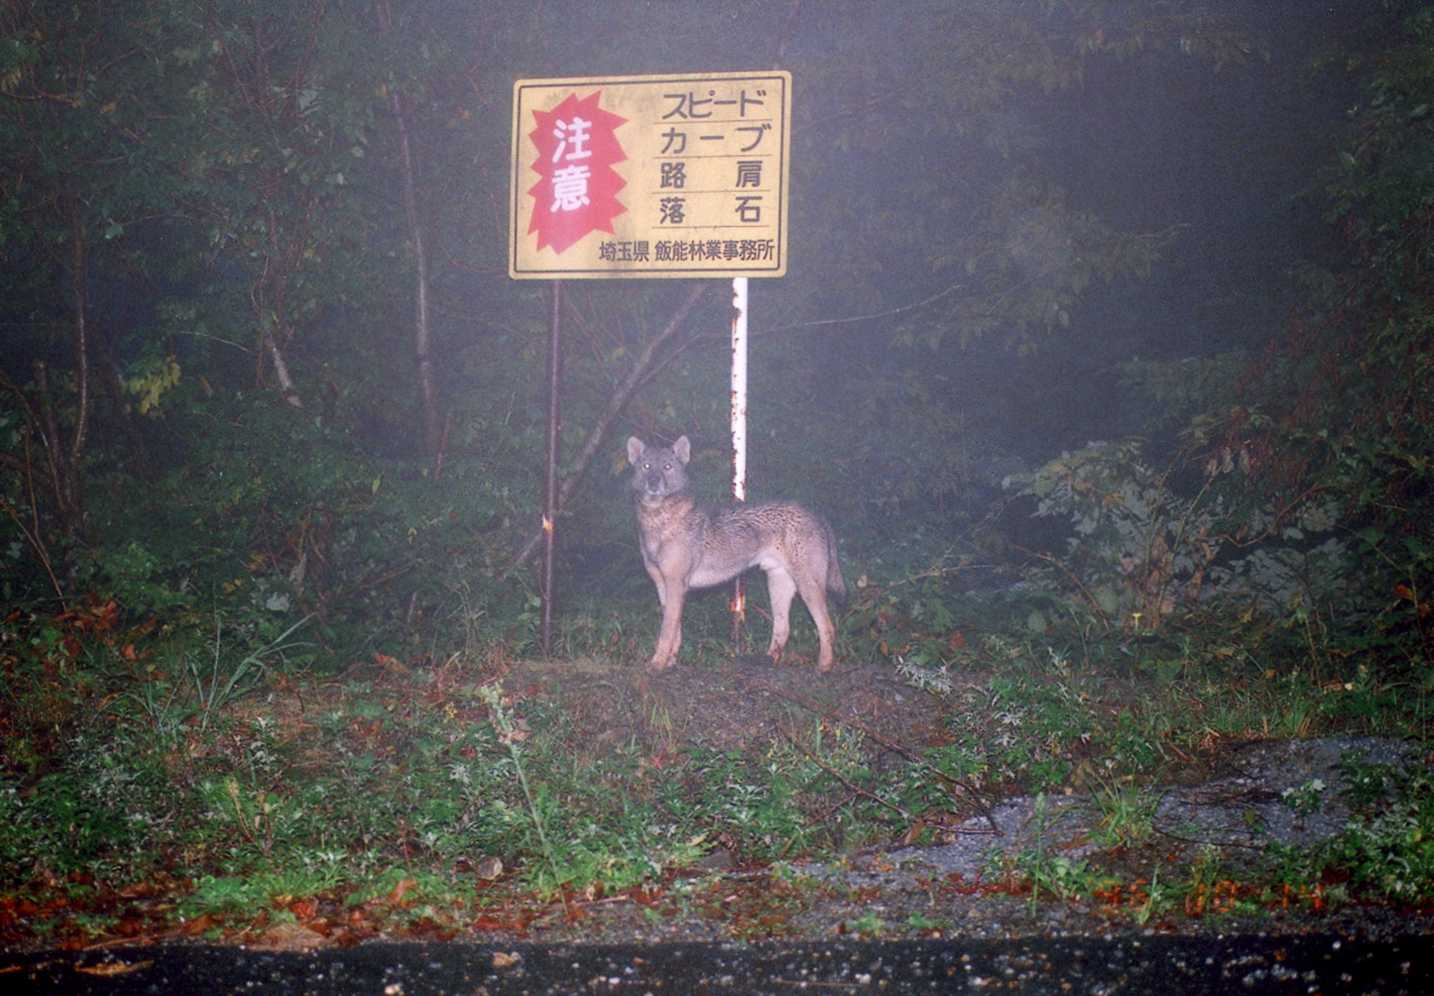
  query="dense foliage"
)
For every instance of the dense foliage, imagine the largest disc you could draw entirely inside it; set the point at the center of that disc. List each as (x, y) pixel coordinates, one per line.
(211, 406)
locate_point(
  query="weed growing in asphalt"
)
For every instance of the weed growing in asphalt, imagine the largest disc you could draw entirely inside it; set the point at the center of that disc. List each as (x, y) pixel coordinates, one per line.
(1041, 871)
(1391, 852)
(918, 923)
(1160, 898)
(1365, 784)
(1127, 814)
(1304, 800)
(869, 925)
(1210, 888)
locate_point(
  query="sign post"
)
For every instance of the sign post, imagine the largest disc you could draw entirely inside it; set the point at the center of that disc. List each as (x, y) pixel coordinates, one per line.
(678, 176)
(550, 469)
(739, 437)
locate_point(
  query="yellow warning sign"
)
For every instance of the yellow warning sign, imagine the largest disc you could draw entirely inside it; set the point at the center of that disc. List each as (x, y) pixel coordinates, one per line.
(650, 176)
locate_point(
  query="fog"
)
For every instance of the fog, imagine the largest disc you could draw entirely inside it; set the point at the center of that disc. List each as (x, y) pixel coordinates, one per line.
(1014, 228)
(1147, 194)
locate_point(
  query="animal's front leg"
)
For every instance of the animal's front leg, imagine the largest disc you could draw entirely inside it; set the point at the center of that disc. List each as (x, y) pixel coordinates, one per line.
(669, 637)
(656, 576)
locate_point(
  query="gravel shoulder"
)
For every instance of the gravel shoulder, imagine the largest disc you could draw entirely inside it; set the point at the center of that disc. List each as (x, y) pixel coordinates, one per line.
(1229, 807)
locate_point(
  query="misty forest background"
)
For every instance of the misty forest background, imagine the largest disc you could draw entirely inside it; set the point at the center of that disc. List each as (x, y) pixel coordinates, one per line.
(1118, 313)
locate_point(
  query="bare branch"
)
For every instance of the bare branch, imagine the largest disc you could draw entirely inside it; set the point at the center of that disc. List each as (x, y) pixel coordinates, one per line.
(616, 404)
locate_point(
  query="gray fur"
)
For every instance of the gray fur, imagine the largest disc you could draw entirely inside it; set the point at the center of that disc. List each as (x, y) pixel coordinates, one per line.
(685, 546)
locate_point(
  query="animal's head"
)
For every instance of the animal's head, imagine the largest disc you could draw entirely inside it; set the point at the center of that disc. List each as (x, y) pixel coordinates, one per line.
(658, 471)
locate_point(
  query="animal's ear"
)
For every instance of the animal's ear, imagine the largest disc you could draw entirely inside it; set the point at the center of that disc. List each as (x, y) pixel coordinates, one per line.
(683, 449)
(634, 450)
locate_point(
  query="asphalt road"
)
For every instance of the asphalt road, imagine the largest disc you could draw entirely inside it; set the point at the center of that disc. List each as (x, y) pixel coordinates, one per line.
(1061, 966)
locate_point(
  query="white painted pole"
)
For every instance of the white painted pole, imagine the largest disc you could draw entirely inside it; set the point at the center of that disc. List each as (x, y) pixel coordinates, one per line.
(739, 388)
(739, 434)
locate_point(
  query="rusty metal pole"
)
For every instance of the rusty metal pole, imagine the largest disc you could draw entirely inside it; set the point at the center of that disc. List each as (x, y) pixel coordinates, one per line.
(550, 479)
(739, 439)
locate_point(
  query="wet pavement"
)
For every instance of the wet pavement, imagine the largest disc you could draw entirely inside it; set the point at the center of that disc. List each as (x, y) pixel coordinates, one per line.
(1059, 966)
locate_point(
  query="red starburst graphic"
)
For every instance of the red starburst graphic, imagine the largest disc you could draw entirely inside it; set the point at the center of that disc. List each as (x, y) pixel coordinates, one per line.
(576, 192)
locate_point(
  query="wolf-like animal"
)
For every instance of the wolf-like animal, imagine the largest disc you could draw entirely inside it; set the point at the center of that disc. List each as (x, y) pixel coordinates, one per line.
(685, 546)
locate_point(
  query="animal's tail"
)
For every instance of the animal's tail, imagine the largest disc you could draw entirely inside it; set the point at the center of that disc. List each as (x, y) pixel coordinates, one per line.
(835, 584)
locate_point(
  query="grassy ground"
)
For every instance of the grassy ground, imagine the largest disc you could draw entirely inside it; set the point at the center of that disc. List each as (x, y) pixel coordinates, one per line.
(152, 793)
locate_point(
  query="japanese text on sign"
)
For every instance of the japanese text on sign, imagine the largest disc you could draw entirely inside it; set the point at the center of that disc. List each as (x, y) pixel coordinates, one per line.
(648, 176)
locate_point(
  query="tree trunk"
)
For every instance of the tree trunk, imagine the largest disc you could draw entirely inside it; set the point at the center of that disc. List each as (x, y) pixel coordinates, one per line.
(422, 339)
(78, 278)
(267, 296)
(57, 506)
(281, 369)
(62, 459)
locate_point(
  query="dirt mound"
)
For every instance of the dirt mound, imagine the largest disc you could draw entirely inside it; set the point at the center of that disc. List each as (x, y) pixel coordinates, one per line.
(733, 706)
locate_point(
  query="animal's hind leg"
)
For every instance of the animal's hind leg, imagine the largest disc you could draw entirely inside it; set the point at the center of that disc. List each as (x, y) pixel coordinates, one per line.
(781, 586)
(813, 592)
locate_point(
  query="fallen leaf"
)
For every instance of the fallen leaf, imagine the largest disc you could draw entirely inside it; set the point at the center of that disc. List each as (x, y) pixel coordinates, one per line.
(390, 663)
(400, 890)
(110, 968)
(287, 937)
(199, 925)
(304, 909)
